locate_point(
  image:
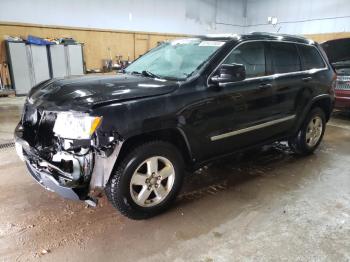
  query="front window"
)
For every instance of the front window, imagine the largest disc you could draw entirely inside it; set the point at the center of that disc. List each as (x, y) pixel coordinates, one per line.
(176, 59)
(252, 56)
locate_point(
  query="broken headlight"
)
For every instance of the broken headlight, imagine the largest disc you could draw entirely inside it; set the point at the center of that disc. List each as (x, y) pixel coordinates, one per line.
(76, 125)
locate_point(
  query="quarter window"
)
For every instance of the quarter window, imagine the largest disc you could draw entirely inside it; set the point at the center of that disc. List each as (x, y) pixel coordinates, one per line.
(310, 57)
(252, 56)
(285, 58)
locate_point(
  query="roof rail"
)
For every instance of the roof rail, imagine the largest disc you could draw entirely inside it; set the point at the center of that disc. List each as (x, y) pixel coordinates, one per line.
(277, 34)
(228, 35)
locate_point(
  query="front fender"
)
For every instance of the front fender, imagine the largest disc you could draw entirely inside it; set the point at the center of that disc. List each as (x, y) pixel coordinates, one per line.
(103, 167)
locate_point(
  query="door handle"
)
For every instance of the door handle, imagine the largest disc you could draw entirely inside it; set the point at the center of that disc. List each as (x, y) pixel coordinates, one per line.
(307, 79)
(264, 86)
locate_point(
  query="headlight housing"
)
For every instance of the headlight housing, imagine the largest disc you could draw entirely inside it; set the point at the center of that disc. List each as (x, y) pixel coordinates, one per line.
(76, 125)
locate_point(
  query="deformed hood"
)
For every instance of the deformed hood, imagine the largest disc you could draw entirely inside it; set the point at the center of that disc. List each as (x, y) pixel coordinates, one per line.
(87, 91)
(337, 50)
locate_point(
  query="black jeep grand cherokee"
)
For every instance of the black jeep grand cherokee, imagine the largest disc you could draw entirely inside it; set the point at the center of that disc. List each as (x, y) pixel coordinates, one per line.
(179, 106)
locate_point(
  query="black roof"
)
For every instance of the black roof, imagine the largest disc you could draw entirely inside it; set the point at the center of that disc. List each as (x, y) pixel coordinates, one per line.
(259, 36)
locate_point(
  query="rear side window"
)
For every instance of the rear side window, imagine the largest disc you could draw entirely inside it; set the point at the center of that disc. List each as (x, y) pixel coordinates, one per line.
(285, 58)
(310, 57)
(252, 56)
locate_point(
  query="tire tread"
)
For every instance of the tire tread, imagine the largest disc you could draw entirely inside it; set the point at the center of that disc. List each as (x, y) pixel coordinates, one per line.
(297, 143)
(114, 184)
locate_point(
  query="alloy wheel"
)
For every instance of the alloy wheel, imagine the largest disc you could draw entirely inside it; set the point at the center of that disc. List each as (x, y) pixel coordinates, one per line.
(314, 131)
(152, 181)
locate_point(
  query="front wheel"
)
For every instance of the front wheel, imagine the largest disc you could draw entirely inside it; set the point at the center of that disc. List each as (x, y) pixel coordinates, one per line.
(147, 181)
(310, 134)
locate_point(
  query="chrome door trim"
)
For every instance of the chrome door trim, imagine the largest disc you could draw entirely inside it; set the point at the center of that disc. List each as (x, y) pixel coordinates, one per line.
(276, 75)
(251, 128)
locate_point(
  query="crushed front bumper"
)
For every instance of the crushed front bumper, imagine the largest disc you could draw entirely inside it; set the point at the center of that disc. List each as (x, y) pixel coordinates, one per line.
(50, 176)
(46, 180)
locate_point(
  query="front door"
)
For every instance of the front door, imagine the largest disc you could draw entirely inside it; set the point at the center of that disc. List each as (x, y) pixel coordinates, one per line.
(239, 114)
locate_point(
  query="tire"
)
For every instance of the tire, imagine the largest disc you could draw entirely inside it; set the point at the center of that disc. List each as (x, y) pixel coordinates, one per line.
(160, 169)
(306, 141)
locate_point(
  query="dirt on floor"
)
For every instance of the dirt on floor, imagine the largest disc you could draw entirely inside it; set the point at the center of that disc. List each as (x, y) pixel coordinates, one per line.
(267, 205)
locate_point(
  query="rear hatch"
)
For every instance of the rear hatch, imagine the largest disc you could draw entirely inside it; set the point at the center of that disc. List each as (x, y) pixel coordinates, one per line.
(338, 52)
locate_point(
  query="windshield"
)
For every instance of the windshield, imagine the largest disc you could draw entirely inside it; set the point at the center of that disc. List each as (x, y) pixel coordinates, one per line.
(176, 59)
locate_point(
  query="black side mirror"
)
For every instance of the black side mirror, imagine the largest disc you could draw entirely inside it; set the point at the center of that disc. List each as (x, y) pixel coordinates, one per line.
(228, 73)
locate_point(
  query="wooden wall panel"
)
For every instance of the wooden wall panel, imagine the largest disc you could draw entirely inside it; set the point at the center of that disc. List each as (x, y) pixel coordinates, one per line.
(324, 37)
(155, 39)
(99, 44)
(141, 44)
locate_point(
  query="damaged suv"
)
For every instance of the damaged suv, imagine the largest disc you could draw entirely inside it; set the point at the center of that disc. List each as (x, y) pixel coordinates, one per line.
(177, 107)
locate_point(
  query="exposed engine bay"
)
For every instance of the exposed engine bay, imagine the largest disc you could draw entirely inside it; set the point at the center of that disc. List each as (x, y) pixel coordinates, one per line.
(77, 164)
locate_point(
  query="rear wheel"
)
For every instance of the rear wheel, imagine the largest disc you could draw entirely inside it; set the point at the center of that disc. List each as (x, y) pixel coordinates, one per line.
(310, 134)
(147, 181)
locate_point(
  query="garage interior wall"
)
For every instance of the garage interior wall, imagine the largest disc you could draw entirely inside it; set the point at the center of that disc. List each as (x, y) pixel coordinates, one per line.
(320, 20)
(168, 16)
(117, 27)
(129, 28)
(98, 44)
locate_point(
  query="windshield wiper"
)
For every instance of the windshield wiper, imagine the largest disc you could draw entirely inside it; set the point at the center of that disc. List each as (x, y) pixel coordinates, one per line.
(152, 75)
(135, 73)
(145, 73)
(149, 74)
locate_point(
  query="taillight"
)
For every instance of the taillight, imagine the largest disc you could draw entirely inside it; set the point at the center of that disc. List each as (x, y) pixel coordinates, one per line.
(334, 83)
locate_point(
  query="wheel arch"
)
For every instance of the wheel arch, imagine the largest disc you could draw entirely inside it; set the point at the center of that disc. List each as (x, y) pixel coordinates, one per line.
(325, 102)
(174, 136)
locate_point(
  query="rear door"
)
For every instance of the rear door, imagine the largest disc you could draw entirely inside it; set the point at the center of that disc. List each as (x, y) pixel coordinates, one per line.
(288, 80)
(315, 81)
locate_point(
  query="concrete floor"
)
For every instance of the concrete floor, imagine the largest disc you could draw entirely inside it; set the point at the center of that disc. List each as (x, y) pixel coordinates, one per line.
(10, 112)
(268, 206)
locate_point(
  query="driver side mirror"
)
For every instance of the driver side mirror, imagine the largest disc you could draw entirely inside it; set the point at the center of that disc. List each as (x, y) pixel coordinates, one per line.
(228, 73)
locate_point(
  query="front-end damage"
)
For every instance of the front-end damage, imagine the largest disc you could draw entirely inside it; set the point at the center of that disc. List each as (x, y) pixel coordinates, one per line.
(72, 168)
